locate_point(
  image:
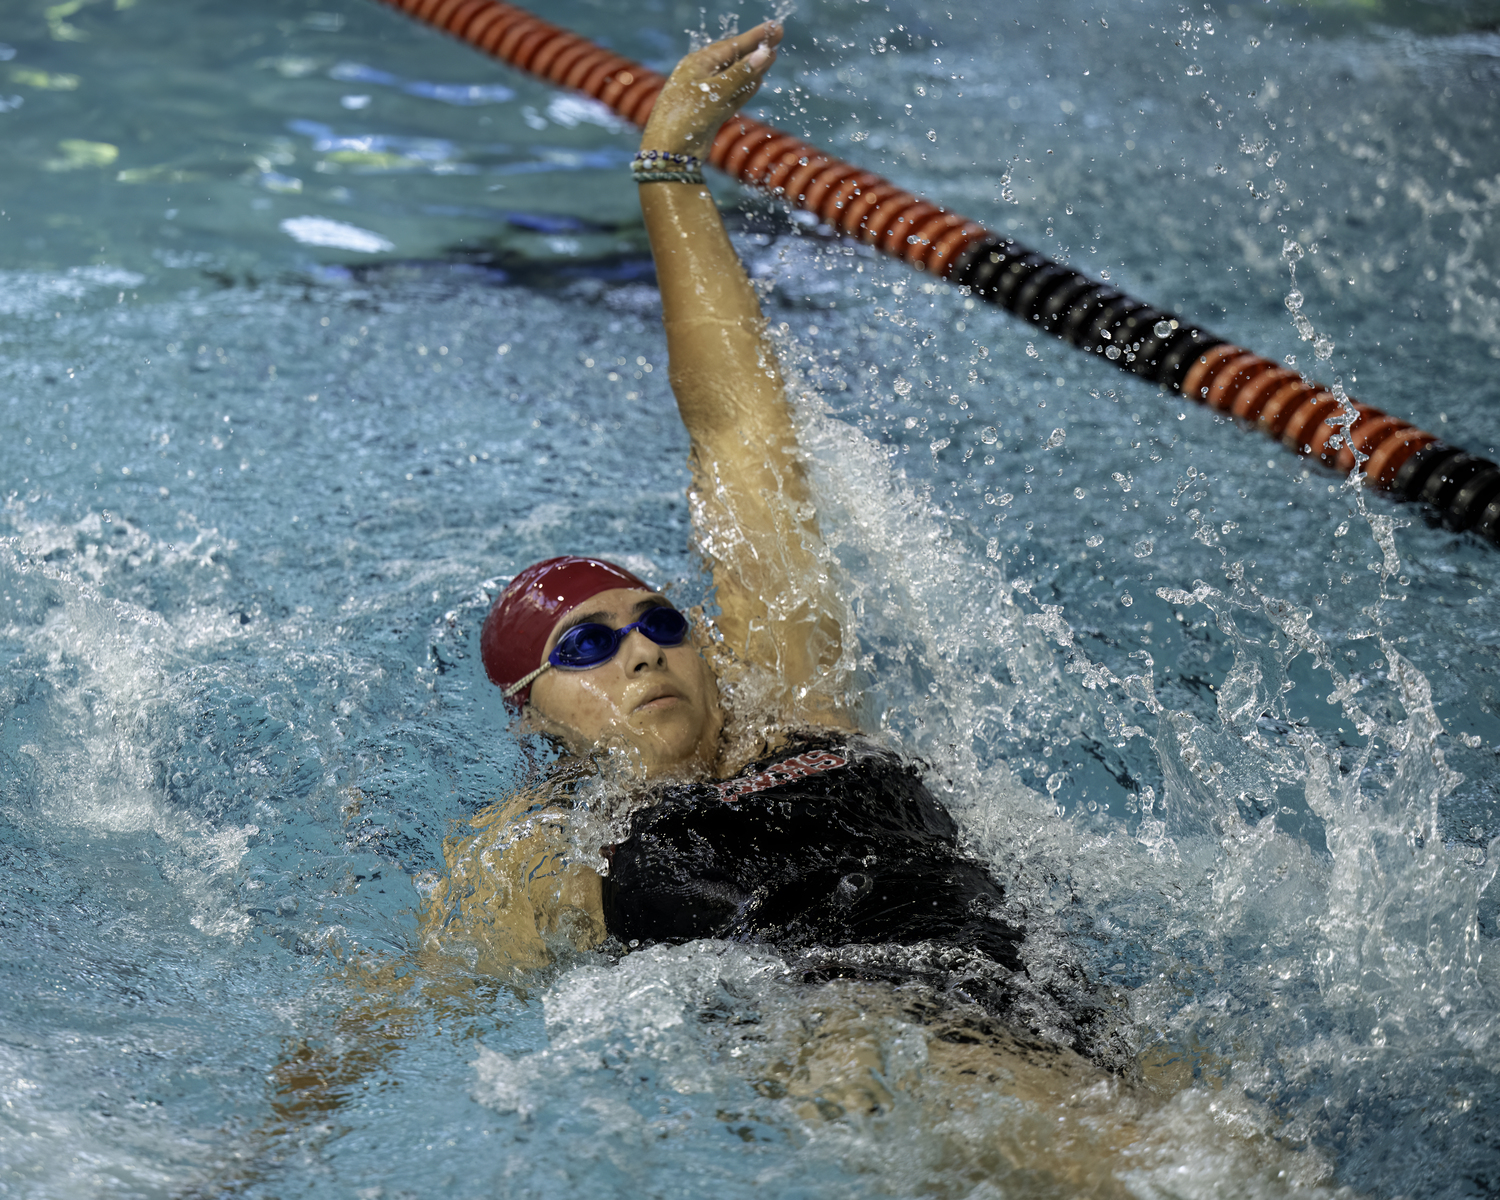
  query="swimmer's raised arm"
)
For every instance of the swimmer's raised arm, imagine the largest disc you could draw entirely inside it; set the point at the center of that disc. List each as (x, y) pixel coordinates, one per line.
(750, 498)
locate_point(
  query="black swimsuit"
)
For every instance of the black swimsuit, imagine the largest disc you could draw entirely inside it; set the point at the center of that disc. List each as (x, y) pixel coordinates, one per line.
(822, 845)
(836, 853)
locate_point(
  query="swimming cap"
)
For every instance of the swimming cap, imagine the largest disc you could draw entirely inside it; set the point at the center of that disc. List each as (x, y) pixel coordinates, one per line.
(515, 632)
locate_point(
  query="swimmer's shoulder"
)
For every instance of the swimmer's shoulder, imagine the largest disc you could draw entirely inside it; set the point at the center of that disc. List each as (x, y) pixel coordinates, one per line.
(552, 796)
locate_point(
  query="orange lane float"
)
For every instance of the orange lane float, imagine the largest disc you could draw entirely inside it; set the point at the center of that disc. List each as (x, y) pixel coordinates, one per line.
(1087, 313)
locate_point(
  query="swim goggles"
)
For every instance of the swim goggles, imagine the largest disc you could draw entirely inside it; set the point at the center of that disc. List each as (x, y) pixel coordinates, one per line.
(594, 644)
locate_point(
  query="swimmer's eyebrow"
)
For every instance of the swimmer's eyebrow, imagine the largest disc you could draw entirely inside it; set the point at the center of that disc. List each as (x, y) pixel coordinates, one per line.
(582, 619)
(588, 618)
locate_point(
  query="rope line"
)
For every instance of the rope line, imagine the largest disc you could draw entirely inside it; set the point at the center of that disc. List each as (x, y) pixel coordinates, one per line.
(1090, 315)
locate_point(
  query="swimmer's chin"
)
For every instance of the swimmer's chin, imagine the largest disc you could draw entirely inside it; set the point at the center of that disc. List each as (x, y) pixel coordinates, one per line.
(668, 726)
(673, 738)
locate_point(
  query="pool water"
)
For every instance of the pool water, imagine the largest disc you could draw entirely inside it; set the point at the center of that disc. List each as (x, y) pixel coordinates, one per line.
(317, 326)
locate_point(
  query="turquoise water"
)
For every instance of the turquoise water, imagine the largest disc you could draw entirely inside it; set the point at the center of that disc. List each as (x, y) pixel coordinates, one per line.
(1228, 727)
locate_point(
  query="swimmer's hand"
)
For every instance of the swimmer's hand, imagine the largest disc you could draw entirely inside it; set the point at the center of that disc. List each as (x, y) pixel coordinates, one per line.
(708, 87)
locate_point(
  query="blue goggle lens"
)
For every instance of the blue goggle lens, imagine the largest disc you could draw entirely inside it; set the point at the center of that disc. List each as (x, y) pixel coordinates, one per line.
(594, 644)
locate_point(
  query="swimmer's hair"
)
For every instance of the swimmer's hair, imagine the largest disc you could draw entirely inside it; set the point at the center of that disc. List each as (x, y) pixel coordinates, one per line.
(515, 631)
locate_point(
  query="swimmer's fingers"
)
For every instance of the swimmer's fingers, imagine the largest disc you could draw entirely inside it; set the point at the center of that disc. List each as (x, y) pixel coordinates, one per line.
(708, 87)
(739, 80)
(724, 54)
(723, 94)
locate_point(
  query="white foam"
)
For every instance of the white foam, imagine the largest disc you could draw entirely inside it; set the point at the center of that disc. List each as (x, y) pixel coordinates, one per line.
(113, 669)
(23, 292)
(570, 111)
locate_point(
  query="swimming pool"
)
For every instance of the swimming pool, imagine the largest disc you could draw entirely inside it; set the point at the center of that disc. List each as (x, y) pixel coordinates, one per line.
(1233, 754)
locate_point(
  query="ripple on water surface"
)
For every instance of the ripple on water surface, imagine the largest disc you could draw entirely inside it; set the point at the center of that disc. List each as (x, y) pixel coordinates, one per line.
(1227, 729)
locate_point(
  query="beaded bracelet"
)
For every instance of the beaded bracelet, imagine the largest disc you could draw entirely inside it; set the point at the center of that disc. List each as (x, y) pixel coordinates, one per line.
(663, 166)
(667, 177)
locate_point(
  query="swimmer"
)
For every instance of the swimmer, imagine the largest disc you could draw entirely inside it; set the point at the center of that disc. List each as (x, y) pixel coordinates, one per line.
(763, 815)
(757, 812)
(753, 810)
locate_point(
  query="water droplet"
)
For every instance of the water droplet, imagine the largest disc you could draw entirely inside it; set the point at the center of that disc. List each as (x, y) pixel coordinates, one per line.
(1323, 347)
(1290, 250)
(1294, 300)
(1079, 494)
(1162, 328)
(1195, 69)
(1127, 600)
(1112, 352)
(1031, 350)
(1094, 540)
(989, 435)
(1057, 437)
(1144, 547)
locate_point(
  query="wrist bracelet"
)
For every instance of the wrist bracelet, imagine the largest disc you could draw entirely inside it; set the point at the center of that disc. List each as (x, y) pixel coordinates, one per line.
(663, 166)
(668, 176)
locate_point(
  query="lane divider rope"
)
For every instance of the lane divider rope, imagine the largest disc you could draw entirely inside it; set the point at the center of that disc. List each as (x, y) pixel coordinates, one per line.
(1087, 313)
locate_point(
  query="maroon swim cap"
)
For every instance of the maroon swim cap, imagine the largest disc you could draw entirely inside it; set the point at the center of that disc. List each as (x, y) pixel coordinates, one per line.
(515, 632)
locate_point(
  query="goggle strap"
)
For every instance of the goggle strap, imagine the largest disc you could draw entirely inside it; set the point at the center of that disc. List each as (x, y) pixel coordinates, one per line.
(524, 682)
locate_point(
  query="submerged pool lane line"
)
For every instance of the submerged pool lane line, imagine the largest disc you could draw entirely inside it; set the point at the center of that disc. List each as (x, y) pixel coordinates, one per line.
(1305, 417)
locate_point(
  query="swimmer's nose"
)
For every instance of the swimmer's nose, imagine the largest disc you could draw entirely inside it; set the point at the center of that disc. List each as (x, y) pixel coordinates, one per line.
(641, 653)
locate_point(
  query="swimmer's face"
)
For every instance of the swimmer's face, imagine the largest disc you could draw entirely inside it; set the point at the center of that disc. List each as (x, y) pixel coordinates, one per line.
(663, 701)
